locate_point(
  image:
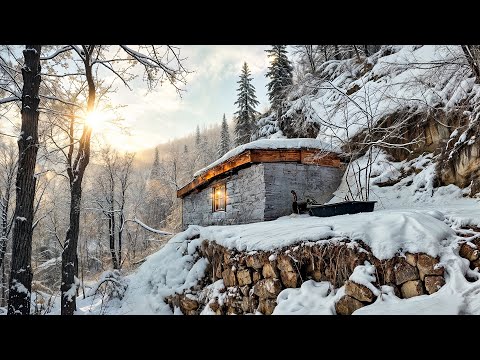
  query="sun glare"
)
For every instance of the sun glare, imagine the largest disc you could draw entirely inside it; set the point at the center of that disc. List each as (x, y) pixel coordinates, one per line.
(96, 119)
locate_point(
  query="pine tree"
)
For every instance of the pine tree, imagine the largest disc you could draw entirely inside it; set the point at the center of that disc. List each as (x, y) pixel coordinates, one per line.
(201, 153)
(224, 145)
(155, 172)
(198, 138)
(280, 73)
(247, 101)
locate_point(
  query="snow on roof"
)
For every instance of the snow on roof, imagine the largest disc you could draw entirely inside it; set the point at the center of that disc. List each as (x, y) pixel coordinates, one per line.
(385, 231)
(299, 143)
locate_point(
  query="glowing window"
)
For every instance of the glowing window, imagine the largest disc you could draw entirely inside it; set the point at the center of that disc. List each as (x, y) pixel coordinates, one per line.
(219, 198)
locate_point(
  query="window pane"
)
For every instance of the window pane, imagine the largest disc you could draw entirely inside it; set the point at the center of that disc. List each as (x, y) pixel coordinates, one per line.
(219, 197)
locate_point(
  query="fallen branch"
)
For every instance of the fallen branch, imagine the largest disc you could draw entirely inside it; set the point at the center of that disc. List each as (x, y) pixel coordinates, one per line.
(146, 227)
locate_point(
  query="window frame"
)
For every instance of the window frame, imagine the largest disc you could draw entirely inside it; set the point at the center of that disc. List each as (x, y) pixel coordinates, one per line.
(216, 200)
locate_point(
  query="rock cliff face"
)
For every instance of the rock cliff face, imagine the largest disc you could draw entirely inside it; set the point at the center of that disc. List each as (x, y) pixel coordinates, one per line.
(448, 135)
(252, 281)
(427, 92)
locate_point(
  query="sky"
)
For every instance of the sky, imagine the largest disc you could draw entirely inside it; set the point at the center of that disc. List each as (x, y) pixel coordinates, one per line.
(161, 115)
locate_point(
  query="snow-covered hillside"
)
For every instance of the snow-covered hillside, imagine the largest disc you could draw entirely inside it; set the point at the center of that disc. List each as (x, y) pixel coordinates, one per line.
(410, 216)
(346, 95)
(405, 97)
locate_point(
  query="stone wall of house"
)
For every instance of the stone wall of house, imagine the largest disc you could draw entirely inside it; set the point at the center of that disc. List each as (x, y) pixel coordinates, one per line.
(245, 200)
(315, 182)
(253, 280)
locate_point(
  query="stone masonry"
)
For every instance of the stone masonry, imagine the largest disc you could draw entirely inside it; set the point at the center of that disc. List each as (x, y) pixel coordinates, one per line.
(245, 200)
(253, 280)
(261, 192)
(314, 182)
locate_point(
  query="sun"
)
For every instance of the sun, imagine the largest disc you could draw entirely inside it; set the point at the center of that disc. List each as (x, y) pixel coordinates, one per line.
(96, 119)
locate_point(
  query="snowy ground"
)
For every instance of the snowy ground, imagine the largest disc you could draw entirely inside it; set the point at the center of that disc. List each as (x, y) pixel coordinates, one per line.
(416, 193)
(411, 216)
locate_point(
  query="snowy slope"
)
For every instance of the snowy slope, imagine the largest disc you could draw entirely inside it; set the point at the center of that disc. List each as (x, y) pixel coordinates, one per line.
(416, 192)
(411, 215)
(176, 267)
(413, 191)
(385, 231)
(346, 94)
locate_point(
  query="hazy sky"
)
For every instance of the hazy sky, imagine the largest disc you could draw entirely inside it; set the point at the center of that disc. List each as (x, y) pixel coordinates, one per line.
(160, 115)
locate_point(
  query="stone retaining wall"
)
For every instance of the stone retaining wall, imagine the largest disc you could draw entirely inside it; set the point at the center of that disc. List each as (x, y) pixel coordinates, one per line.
(470, 249)
(253, 280)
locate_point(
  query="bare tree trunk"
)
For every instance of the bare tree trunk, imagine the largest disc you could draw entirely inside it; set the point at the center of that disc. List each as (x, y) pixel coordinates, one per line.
(4, 285)
(4, 204)
(309, 50)
(69, 254)
(21, 271)
(356, 52)
(120, 234)
(365, 50)
(472, 61)
(111, 234)
(75, 172)
(82, 267)
(111, 217)
(337, 52)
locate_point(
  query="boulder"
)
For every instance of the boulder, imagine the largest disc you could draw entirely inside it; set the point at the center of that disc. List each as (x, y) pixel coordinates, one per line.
(389, 271)
(227, 258)
(270, 271)
(217, 270)
(358, 291)
(267, 288)
(434, 283)
(249, 304)
(256, 260)
(289, 279)
(411, 258)
(412, 288)
(427, 265)
(347, 305)
(243, 277)
(266, 306)
(256, 276)
(229, 278)
(187, 304)
(245, 290)
(241, 260)
(404, 272)
(284, 263)
(232, 311)
(219, 312)
(214, 306)
(475, 264)
(468, 252)
(316, 275)
(476, 242)
(204, 249)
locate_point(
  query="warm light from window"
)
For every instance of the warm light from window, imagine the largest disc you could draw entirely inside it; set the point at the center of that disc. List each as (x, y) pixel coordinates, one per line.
(219, 198)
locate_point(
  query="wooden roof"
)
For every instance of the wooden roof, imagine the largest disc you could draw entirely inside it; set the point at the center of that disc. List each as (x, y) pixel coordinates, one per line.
(253, 156)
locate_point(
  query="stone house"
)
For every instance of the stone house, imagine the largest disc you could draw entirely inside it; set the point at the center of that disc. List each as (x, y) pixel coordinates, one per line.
(253, 182)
